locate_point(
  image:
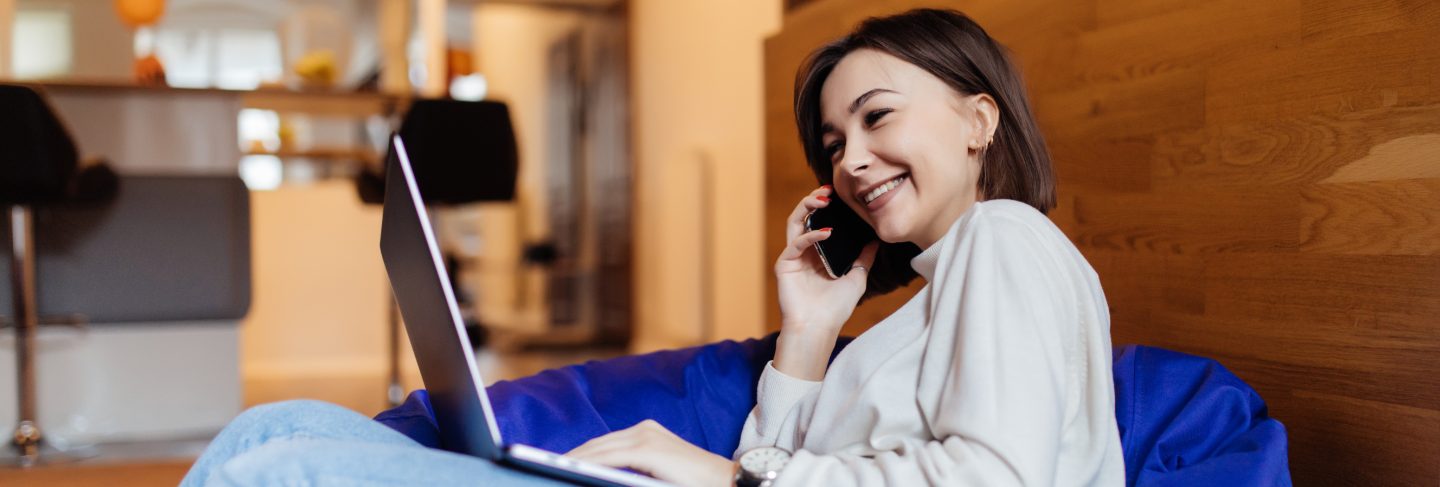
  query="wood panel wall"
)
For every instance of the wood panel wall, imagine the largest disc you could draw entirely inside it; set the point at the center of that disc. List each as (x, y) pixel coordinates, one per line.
(1255, 181)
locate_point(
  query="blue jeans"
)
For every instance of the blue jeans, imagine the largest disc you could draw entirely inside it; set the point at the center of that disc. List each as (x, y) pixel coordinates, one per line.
(295, 443)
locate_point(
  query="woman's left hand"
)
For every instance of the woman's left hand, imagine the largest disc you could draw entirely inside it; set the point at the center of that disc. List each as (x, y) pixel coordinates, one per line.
(649, 447)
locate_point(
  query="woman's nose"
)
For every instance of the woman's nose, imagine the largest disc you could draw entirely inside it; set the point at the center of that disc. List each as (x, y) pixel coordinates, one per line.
(856, 160)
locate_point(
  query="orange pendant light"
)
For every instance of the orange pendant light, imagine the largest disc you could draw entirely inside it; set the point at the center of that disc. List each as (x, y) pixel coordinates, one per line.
(140, 13)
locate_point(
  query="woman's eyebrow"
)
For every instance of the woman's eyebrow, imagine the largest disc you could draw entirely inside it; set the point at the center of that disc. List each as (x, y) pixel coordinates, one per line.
(860, 100)
(826, 127)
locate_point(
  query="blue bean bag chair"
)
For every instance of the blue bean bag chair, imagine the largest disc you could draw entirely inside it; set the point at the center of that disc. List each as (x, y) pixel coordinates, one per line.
(1184, 420)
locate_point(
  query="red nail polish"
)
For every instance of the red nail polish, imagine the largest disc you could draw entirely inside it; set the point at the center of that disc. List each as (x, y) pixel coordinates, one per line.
(823, 198)
(826, 229)
(828, 187)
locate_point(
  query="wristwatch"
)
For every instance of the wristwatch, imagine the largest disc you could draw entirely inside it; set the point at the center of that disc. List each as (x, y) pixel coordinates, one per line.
(759, 467)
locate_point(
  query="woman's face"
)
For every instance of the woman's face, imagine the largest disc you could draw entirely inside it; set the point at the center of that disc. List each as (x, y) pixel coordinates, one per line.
(903, 145)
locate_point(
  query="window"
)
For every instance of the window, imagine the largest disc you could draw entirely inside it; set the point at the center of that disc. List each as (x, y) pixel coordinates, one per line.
(42, 47)
(225, 58)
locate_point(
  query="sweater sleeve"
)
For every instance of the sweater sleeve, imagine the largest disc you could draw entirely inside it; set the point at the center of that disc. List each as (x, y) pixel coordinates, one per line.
(994, 382)
(780, 403)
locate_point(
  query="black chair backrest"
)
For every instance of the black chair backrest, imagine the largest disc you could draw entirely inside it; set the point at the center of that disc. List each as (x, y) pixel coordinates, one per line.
(462, 152)
(37, 156)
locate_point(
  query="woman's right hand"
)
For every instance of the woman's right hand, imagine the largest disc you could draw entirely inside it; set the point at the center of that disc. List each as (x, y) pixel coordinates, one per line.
(813, 306)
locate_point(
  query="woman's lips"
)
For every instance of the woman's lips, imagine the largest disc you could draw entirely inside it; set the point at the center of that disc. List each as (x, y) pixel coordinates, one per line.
(880, 202)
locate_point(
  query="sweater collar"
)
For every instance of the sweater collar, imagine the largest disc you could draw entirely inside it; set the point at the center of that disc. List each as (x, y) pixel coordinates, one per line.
(925, 263)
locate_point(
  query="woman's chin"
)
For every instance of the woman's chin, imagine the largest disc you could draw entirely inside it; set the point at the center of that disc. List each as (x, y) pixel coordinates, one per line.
(891, 235)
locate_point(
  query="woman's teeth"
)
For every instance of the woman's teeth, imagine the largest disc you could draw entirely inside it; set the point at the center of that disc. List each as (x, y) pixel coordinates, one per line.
(884, 188)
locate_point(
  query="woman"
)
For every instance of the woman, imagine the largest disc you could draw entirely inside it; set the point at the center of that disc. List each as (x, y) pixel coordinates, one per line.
(996, 373)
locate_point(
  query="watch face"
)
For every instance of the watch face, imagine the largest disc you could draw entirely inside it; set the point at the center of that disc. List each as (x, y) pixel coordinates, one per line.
(761, 460)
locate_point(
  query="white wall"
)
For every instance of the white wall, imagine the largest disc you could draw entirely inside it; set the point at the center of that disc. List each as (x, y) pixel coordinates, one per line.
(320, 295)
(697, 71)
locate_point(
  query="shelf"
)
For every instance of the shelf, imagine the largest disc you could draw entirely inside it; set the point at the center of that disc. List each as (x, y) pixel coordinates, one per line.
(360, 155)
(309, 101)
(352, 104)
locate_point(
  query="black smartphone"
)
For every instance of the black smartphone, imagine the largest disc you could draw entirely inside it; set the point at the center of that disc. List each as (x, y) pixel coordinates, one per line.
(849, 235)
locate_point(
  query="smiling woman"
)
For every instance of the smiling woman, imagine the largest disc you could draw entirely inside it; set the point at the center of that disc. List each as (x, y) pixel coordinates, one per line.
(997, 371)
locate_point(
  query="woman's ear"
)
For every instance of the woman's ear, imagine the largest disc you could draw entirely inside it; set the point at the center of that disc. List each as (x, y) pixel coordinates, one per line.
(986, 118)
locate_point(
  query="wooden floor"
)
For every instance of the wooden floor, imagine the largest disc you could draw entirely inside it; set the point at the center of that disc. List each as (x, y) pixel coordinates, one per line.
(365, 395)
(167, 473)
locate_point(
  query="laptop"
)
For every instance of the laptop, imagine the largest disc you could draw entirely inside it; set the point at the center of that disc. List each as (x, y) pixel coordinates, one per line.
(442, 347)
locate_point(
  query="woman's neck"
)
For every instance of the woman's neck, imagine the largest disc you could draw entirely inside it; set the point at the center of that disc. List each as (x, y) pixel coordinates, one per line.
(941, 226)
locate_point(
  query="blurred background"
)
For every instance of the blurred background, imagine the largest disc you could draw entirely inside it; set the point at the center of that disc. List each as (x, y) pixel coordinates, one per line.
(237, 263)
(1255, 182)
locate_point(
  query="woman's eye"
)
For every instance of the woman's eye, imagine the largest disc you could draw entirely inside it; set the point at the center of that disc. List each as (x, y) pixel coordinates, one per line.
(874, 116)
(833, 150)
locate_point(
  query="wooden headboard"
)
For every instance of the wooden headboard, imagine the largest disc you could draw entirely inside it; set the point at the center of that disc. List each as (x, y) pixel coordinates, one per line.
(1255, 181)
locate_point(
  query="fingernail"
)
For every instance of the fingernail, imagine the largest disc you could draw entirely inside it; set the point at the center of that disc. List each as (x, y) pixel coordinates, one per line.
(826, 229)
(823, 198)
(827, 187)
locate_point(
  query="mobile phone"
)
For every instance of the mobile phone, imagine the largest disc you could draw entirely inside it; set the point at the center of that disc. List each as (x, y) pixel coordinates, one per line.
(849, 235)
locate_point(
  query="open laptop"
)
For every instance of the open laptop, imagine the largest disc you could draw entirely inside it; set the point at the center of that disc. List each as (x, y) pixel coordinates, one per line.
(442, 347)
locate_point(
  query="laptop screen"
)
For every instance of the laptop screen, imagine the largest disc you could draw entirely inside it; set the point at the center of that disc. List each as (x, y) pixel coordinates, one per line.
(432, 317)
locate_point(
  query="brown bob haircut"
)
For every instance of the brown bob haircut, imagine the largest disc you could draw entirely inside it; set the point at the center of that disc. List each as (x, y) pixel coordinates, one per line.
(952, 47)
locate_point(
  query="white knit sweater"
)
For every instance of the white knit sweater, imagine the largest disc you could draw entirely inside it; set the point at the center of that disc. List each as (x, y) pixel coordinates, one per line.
(996, 373)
